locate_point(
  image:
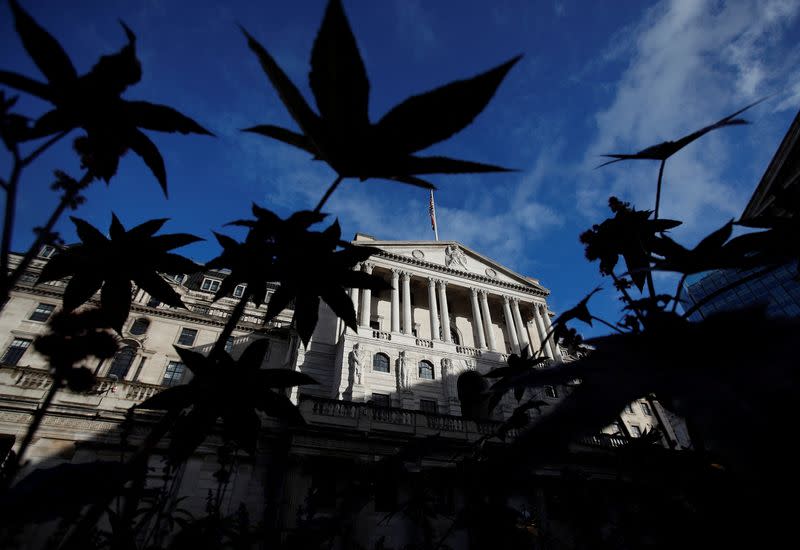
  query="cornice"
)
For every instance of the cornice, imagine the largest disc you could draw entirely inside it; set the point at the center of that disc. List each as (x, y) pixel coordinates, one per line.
(461, 274)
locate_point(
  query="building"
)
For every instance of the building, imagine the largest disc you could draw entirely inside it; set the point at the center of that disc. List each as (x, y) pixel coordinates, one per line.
(405, 375)
(777, 194)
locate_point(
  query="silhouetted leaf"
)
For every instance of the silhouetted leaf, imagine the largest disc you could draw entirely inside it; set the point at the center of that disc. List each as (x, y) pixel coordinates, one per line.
(342, 134)
(93, 102)
(114, 262)
(707, 255)
(580, 311)
(664, 150)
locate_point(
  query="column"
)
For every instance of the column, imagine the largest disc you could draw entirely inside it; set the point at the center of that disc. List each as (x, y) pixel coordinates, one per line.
(552, 343)
(523, 336)
(395, 300)
(537, 318)
(407, 303)
(354, 294)
(477, 324)
(510, 329)
(433, 309)
(487, 320)
(445, 312)
(366, 300)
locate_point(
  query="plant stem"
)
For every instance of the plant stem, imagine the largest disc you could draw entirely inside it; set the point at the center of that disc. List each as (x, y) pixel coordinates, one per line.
(678, 292)
(230, 325)
(618, 285)
(34, 425)
(609, 325)
(65, 201)
(658, 188)
(8, 221)
(728, 287)
(328, 193)
(43, 147)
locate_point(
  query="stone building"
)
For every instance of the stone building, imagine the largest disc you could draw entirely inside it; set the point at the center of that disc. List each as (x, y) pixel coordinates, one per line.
(451, 316)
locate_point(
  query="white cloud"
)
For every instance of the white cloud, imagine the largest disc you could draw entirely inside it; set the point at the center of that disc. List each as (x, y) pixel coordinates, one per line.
(691, 62)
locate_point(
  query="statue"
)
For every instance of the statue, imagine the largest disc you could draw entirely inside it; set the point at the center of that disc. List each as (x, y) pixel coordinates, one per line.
(449, 379)
(356, 363)
(454, 255)
(403, 374)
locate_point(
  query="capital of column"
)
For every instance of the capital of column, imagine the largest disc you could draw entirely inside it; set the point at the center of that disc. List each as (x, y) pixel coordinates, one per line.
(442, 283)
(368, 267)
(431, 282)
(506, 300)
(405, 275)
(474, 291)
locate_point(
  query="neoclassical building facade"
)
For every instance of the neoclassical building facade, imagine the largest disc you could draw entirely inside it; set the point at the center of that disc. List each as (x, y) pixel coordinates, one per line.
(451, 316)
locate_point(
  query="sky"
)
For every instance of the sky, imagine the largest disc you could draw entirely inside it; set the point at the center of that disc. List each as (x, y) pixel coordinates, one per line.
(596, 77)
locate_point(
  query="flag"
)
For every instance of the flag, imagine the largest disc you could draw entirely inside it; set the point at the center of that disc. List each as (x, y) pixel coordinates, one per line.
(432, 212)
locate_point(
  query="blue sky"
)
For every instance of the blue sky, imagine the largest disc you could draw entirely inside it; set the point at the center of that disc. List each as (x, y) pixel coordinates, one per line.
(596, 77)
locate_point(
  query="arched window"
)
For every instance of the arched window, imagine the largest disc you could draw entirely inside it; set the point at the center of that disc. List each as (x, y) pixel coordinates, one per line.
(426, 370)
(122, 362)
(454, 336)
(139, 326)
(380, 362)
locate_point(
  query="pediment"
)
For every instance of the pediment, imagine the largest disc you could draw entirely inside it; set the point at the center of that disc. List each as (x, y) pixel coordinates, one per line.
(454, 257)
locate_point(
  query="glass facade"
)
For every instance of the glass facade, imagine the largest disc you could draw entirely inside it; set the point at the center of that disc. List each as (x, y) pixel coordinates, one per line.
(778, 290)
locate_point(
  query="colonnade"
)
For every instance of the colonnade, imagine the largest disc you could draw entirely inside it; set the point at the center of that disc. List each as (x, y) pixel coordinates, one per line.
(401, 319)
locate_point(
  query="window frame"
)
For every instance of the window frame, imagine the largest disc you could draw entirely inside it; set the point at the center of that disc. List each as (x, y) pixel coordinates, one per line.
(243, 286)
(47, 251)
(427, 364)
(551, 391)
(210, 281)
(11, 346)
(635, 430)
(179, 341)
(134, 324)
(431, 403)
(646, 409)
(388, 363)
(37, 312)
(384, 401)
(177, 367)
(134, 353)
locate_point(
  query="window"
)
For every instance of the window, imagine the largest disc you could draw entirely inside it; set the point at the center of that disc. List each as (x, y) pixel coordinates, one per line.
(550, 391)
(47, 251)
(153, 302)
(15, 351)
(629, 408)
(646, 409)
(122, 362)
(636, 431)
(42, 312)
(210, 285)
(174, 374)
(454, 337)
(381, 400)
(200, 309)
(139, 326)
(376, 325)
(179, 278)
(238, 292)
(428, 406)
(380, 362)
(426, 370)
(187, 337)
(229, 345)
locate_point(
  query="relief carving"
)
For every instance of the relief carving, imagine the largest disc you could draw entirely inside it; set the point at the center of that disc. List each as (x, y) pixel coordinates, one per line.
(454, 255)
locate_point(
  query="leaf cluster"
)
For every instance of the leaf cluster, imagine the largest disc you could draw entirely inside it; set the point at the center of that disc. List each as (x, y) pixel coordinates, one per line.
(232, 390)
(112, 262)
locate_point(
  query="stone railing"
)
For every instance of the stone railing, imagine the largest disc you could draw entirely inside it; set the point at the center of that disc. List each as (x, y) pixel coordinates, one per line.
(465, 350)
(30, 378)
(381, 335)
(422, 342)
(366, 417)
(605, 440)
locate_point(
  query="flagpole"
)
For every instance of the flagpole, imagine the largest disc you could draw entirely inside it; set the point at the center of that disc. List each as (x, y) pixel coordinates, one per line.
(432, 212)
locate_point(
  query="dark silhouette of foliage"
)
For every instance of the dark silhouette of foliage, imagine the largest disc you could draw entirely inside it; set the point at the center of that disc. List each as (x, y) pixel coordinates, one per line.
(94, 102)
(666, 149)
(342, 134)
(287, 252)
(13, 127)
(136, 255)
(229, 389)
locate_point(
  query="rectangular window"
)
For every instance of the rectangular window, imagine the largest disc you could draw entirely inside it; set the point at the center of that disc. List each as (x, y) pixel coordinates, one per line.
(153, 302)
(174, 374)
(646, 409)
(187, 337)
(636, 431)
(629, 408)
(42, 312)
(428, 406)
(178, 278)
(375, 325)
(200, 309)
(381, 400)
(15, 351)
(550, 391)
(238, 292)
(229, 345)
(210, 285)
(47, 251)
